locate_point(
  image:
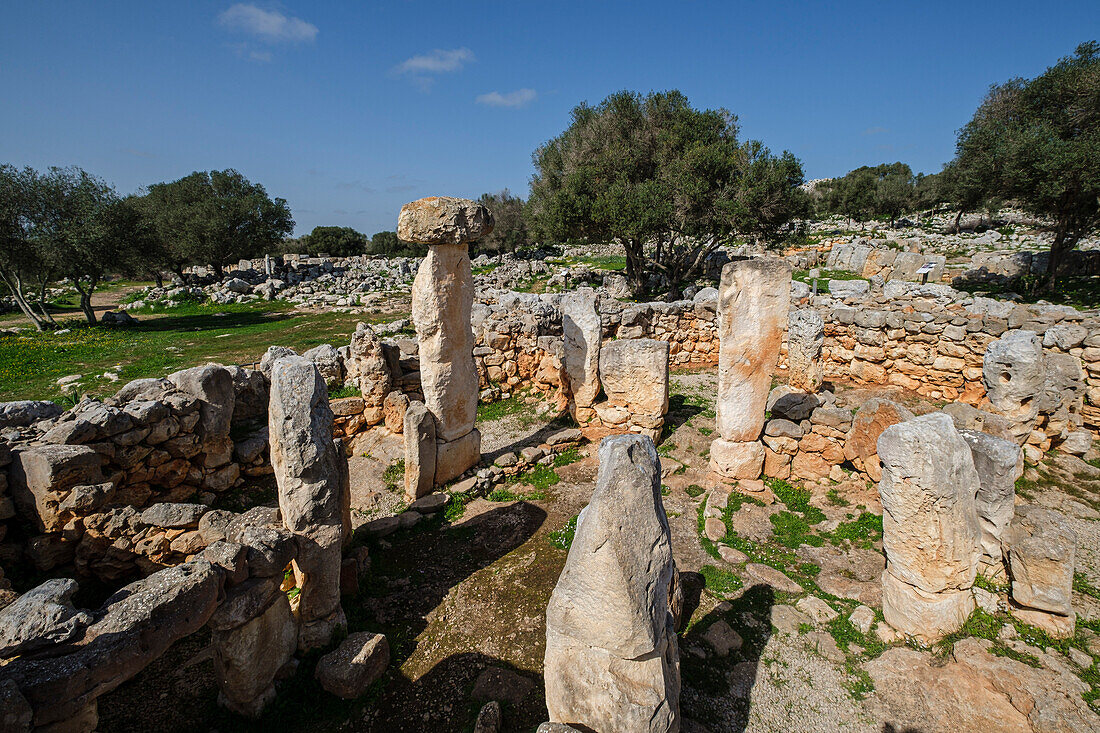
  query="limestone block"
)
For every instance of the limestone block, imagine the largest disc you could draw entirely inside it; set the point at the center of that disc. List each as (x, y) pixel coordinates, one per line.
(805, 337)
(927, 616)
(1014, 374)
(582, 334)
(42, 474)
(247, 658)
(311, 471)
(439, 220)
(1041, 547)
(367, 368)
(737, 460)
(754, 297)
(928, 489)
(41, 617)
(634, 374)
(455, 457)
(442, 298)
(999, 463)
(872, 417)
(420, 451)
(612, 661)
(360, 659)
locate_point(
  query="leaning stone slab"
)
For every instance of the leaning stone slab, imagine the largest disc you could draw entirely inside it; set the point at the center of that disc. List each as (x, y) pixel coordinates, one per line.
(455, 457)
(612, 661)
(247, 657)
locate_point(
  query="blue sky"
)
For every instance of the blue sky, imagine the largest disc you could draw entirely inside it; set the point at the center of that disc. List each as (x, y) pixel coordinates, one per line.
(350, 109)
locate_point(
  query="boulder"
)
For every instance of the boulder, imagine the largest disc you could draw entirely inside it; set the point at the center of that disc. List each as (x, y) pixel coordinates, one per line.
(41, 617)
(360, 659)
(41, 475)
(367, 367)
(328, 361)
(174, 516)
(1014, 375)
(21, 413)
(441, 220)
(612, 661)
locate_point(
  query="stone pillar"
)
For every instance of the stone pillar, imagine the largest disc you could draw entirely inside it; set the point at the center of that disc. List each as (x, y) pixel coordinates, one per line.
(442, 298)
(999, 463)
(612, 661)
(930, 526)
(582, 336)
(805, 337)
(1014, 374)
(753, 299)
(419, 433)
(1041, 547)
(314, 495)
(634, 375)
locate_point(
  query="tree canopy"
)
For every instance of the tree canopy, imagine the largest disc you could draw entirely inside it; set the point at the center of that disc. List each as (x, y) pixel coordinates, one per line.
(509, 230)
(216, 217)
(652, 172)
(335, 241)
(883, 191)
(1037, 142)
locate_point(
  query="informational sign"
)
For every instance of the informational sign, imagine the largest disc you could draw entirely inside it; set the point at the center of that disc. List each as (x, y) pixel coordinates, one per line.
(926, 268)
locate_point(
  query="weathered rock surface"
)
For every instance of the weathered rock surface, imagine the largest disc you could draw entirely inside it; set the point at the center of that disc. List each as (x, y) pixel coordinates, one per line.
(247, 658)
(583, 340)
(999, 463)
(930, 526)
(634, 374)
(612, 661)
(1014, 373)
(366, 366)
(1041, 547)
(41, 617)
(312, 475)
(437, 220)
(872, 417)
(360, 659)
(420, 451)
(805, 337)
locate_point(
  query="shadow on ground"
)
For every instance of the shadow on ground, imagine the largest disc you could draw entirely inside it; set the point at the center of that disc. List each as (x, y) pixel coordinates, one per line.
(716, 688)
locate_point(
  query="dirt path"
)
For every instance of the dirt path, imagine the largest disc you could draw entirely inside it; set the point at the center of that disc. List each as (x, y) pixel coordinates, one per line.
(102, 301)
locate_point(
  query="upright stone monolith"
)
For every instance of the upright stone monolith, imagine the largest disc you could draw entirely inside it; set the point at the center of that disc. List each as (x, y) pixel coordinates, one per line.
(582, 336)
(1014, 373)
(314, 498)
(999, 463)
(442, 298)
(805, 337)
(753, 299)
(930, 528)
(612, 661)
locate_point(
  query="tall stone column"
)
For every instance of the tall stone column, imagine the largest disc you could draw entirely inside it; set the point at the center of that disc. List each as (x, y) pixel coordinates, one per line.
(442, 298)
(582, 336)
(311, 471)
(753, 299)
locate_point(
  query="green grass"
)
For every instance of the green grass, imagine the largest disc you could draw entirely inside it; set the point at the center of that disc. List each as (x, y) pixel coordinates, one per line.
(567, 456)
(862, 532)
(489, 411)
(505, 494)
(563, 538)
(834, 498)
(540, 477)
(610, 262)
(797, 499)
(456, 507)
(394, 475)
(720, 580)
(791, 530)
(694, 490)
(804, 276)
(187, 336)
(348, 390)
(666, 448)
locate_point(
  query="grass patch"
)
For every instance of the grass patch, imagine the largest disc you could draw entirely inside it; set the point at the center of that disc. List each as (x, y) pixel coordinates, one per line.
(540, 477)
(666, 449)
(456, 507)
(791, 530)
(694, 490)
(567, 456)
(563, 538)
(862, 532)
(489, 411)
(804, 275)
(797, 499)
(348, 390)
(720, 580)
(505, 494)
(833, 497)
(394, 475)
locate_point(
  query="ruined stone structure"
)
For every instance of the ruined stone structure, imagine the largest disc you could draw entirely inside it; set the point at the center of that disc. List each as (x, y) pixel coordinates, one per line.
(442, 297)
(612, 661)
(1041, 548)
(753, 300)
(805, 337)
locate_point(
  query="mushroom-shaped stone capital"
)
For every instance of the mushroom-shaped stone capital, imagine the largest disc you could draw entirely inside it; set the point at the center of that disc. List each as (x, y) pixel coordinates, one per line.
(443, 220)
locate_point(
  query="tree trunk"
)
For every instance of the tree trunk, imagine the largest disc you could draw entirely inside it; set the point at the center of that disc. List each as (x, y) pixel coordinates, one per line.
(178, 270)
(158, 278)
(86, 301)
(1063, 243)
(16, 288)
(635, 265)
(958, 218)
(218, 273)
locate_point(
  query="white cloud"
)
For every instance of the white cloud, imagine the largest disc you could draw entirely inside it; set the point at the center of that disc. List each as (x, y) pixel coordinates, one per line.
(437, 62)
(518, 98)
(267, 25)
